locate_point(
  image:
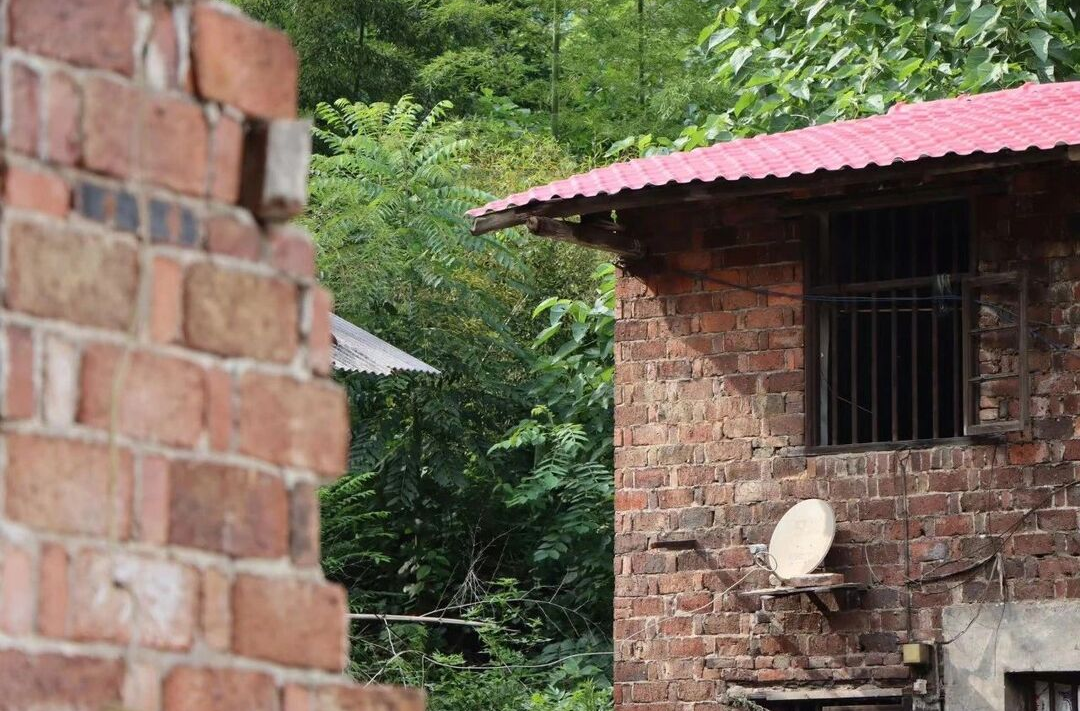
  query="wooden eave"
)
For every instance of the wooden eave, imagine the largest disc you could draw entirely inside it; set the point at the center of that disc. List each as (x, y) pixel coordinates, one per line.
(795, 188)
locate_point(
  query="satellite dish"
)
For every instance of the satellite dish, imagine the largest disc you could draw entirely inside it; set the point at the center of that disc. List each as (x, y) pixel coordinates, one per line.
(802, 538)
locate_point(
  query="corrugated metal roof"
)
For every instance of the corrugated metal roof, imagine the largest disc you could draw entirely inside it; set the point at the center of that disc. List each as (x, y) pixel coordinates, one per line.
(358, 351)
(1040, 116)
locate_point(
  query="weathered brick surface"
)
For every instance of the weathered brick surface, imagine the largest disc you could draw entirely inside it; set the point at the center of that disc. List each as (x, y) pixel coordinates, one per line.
(229, 236)
(175, 145)
(145, 396)
(19, 387)
(36, 190)
(266, 624)
(63, 114)
(195, 689)
(75, 276)
(710, 433)
(110, 120)
(164, 407)
(66, 486)
(238, 512)
(240, 314)
(293, 423)
(120, 597)
(55, 681)
(24, 113)
(99, 34)
(243, 64)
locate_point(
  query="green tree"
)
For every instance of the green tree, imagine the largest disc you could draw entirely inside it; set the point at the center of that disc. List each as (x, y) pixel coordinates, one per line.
(370, 50)
(784, 64)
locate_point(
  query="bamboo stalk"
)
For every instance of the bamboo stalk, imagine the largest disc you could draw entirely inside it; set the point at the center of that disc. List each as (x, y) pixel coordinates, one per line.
(416, 618)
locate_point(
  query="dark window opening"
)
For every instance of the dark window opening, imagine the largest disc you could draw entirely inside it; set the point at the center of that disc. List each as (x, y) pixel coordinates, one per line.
(1043, 691)
(858, 704)
(885, 312)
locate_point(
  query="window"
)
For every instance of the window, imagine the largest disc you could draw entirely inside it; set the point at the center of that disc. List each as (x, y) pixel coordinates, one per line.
(903, 343)
(838, 704)
(1044, 692)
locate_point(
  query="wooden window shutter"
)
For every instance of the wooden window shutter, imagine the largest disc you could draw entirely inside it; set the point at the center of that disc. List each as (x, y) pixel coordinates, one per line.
(997, 378)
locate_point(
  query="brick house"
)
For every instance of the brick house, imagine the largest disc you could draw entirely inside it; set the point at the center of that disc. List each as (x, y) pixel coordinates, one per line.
(879, 313)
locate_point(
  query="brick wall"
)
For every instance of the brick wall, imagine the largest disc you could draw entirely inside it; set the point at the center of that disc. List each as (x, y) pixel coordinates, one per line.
(709, 436)
(166, 415)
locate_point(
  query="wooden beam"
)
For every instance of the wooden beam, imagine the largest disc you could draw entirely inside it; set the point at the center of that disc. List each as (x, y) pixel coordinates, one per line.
(803, 185)
(586, 235)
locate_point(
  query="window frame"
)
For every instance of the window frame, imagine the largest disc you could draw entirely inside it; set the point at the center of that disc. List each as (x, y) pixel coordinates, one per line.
(814, 326)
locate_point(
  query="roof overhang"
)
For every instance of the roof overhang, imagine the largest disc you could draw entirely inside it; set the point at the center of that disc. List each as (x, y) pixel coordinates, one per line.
(1035, 122)
(355, 350)
(795, 187)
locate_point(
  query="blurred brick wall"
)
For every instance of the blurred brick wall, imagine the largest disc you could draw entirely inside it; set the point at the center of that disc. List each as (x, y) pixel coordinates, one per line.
(709, 420)
(165, 414)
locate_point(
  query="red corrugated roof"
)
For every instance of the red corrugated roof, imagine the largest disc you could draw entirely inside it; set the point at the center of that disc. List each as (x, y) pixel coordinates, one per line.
(1038, 116)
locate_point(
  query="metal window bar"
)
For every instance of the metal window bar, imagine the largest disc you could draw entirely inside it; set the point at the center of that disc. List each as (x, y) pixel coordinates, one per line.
(906, 321)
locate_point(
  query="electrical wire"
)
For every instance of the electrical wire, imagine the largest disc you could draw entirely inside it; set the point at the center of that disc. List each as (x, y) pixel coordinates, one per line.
(940, 298)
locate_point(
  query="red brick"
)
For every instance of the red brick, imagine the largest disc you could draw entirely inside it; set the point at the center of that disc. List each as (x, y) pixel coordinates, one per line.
(63, 274)
(244, 64)
(219, 409)
(960, 525)
(60, 682)
(166, 300)
(124, 597)
(239, 314)
(320, 339)
(229, 236)
(304, 526)
(227, 160)
(25, 107)
(110, 120)
(1032, 544)
(215, 616)
(266, 624)
(175, 145)
(292, 252)
(631, 500)
(35, 190)
(296, 698)
(19, 399)
(163, 52)
(16, 590)
(64, 486)
(293, 423)
(53, 587)
(369, 698)
(99, 34)
(928, 504)
(1057, 520)
(153, 506)
(193, 689)
(146, 396)
(228, 510)
(142, 686)
(64, 116)
(1026, 453)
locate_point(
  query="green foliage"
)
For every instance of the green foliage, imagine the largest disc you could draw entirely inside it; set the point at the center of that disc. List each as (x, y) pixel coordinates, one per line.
(783, 64)
(568, 437)
(502, 674)
(372, 50)
(627, 73)
(444, 507)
